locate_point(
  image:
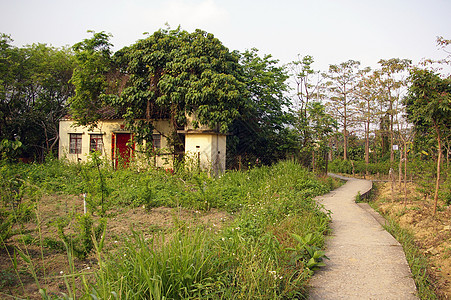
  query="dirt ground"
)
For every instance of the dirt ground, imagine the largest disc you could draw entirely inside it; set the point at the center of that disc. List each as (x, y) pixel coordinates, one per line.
(432, 233)
(51, 264)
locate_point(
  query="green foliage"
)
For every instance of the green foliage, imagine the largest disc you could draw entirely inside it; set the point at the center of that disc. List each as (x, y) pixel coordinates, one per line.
(93, 62)
(418, 263)
(260, 132)
(429, 100)
(10, 150)
(17, 201)
(34, 88)
(94, 184)
(306, 251)
(246, 259)
(360, 167)
(81, 242)
(169, 74)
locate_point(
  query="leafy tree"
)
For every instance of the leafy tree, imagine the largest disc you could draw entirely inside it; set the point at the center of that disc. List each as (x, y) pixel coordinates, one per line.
(322, 126)
(261, 131)
(307, 82)
(342, 80)
(428, 104)
(391, 84)
(33, 92)
(368, 93)
(170, 74)
(90, 78)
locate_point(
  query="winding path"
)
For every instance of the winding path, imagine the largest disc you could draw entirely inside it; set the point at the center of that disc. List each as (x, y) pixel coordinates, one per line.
(366, 262)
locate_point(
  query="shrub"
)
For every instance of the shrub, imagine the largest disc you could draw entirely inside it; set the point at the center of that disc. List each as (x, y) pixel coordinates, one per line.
(17, 200)
(81, 241)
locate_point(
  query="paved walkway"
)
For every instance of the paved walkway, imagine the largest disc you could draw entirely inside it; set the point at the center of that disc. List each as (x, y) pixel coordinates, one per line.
(366, 262)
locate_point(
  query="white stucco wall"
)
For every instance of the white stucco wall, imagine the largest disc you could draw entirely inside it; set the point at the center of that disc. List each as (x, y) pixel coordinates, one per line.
(107, 128)
(208, 149)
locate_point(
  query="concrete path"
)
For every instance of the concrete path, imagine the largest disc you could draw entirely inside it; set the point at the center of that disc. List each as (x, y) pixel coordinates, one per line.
(366, 262)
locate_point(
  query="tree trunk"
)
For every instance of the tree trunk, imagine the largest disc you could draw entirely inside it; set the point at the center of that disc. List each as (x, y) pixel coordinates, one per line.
(367, 145)
(392, 179)
(405, 173)
(392, 154)
(345, 130)
(345, 144)
(400, 170)
(439, 158)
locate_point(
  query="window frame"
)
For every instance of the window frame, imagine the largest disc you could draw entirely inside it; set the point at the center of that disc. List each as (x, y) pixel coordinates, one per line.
(98, 139)
(75, 143)
(156, 141)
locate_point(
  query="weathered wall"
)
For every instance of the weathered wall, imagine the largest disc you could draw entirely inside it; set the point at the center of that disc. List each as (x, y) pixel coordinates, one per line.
(107, 129)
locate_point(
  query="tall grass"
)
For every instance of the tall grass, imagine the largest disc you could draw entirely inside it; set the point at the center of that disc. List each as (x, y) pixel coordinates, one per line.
(418, 263)
(249, 258)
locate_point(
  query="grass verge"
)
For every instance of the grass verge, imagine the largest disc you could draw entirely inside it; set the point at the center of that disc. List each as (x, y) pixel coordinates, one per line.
(417, 261)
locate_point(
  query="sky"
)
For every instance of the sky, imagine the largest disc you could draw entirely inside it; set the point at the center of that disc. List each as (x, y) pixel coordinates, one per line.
(332, 31)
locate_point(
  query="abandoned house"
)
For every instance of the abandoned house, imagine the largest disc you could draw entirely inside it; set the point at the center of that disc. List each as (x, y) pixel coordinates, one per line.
(205, 147)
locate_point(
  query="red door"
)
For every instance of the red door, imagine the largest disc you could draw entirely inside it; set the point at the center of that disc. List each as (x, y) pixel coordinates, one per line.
(123, 148)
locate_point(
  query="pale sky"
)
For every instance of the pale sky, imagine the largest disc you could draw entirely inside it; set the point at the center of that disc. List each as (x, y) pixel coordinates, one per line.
(332, 31)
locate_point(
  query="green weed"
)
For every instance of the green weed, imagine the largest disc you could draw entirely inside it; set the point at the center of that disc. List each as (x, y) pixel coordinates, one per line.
(417, 261)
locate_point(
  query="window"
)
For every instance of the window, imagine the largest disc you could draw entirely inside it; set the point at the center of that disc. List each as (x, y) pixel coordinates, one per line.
(156, 141)
(96, 143)
(75, 143)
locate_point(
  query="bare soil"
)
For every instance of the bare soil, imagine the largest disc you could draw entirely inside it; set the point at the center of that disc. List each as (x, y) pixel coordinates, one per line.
(432, 232)
(51, 264)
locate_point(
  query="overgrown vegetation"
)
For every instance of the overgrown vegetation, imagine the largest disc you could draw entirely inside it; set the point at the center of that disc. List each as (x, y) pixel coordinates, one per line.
(268, 250)
(418, 262)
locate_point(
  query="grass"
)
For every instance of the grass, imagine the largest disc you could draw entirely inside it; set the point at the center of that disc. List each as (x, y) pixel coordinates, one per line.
(254, 256)
(418, 262)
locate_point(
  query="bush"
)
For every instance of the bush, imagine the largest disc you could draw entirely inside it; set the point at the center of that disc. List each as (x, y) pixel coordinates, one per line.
(81, 242)
(17, 200)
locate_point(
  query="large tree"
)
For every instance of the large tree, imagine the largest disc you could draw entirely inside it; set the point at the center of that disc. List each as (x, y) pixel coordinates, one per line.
(428, 104)
(170, 74)
(261, 131)
(342, 80)
(392, 84)
(34, 88)
(367, 91)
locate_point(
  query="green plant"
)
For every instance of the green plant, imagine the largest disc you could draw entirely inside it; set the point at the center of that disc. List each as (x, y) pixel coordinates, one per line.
(417, 261)
(306, 250)
(17, 201)
(81, 242)
(358, 198)
(10, 150)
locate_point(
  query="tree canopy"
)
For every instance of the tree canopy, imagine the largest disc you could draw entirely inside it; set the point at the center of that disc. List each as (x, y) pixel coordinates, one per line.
(34, 89)
(170, 74)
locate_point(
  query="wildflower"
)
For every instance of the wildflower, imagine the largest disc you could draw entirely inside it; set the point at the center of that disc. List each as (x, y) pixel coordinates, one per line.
(61, 272)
